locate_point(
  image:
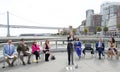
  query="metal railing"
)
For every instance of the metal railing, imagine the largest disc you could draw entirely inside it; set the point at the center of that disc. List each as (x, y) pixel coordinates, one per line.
(59, 44)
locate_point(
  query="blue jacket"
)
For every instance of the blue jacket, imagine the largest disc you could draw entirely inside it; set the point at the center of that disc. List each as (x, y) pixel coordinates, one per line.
(102, 46)
(77, 43)
(8, 50)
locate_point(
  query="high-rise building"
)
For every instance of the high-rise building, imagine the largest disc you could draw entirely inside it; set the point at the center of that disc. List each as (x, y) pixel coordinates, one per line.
(118, 17)
(109, 14)
(89, 14)
(96, 21)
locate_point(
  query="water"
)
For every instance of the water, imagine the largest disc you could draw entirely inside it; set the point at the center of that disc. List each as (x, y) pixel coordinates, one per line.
(18, 31)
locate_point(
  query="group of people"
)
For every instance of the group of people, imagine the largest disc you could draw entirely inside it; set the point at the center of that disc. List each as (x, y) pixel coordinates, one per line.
(23, 50)
(75, 44)
(9, 50)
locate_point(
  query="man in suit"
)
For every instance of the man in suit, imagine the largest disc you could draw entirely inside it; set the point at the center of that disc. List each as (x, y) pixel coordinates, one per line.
(100, 48)
(9, 53)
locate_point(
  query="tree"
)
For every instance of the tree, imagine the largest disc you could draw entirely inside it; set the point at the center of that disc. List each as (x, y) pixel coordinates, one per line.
(105, 29)
(118, 26)
(74, 31)
(65, 33)
(85, 30)
(98, 29)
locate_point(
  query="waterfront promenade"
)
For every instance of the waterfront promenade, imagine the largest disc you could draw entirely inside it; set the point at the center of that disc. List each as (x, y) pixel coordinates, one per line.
(85, 64)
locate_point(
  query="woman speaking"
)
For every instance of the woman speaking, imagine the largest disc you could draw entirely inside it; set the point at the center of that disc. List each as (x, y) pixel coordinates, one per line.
(70, 40)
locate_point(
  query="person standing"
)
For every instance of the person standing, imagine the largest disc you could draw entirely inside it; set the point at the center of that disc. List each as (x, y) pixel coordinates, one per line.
(100, 48)
(36, 50)
(23, 51)
(70, 40)
(9, 52)
(46, 50)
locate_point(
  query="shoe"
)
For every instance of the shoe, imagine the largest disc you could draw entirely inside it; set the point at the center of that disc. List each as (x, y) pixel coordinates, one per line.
(12, 65)
(103, 55)
(68, 63)
(99, 58)
(29, 63)
(36, 61)
(46, 60)
(24, 63)
(3, 67)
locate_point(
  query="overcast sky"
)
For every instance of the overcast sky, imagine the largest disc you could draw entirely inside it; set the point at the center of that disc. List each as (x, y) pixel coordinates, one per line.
(51, 13)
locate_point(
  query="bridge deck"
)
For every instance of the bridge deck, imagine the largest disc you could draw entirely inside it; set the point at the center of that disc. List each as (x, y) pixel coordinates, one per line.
(87, 64)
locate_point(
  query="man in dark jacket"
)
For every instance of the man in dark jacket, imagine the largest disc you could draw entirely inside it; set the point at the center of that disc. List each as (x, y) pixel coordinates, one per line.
(23, 50)
(100, 48)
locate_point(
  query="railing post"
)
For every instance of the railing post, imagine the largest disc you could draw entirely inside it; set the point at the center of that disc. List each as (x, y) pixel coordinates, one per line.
(56, 43)
(63, 42)
(41, 43)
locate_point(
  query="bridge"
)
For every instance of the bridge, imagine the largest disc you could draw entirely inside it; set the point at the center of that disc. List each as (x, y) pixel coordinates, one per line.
(30, 27)
(8, 26)
(86, 63)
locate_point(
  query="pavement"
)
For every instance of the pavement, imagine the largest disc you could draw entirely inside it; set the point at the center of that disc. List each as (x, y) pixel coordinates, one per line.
(88, 63)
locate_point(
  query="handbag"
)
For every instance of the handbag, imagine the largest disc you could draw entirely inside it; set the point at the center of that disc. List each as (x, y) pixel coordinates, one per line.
(53, 57)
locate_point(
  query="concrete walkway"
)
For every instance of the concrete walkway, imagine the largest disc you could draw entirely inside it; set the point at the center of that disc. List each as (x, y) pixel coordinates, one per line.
(85, 64)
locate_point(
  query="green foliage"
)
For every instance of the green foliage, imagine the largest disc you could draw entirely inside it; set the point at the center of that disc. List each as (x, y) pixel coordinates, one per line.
(98, 29)
(85, 30)
(118, 26)
(105, 29)
(74, 31)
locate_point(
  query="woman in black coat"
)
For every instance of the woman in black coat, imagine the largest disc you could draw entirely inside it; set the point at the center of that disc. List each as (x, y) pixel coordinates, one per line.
(70, 49)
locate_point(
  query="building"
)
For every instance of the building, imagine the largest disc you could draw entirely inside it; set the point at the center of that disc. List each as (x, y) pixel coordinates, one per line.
(89, 13)
(82, 26)
(118, 17)
(96, 21)
(109, 12)
(83, 23)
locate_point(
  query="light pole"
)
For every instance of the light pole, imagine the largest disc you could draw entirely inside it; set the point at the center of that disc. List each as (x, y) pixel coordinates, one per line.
(8, 26)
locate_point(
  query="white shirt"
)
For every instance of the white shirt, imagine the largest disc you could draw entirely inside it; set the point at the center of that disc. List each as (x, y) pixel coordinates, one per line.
(99, 44)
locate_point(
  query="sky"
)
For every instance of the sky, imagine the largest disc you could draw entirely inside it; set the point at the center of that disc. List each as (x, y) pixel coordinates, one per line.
(50, 13)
